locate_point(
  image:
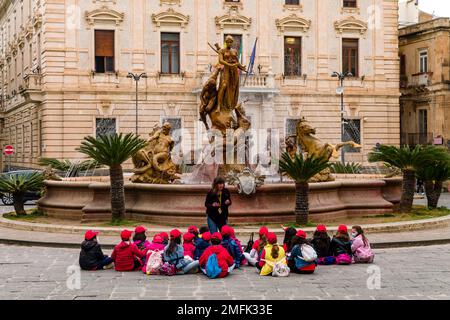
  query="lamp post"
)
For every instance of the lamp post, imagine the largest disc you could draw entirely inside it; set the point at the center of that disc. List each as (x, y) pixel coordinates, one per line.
(136, 78)
(340, 90)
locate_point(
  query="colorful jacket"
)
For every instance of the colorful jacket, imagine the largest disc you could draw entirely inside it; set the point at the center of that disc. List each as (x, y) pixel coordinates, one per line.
(142, 245)
(200, 247)
(176, 257)
(155, 246)
(233, 249)
(124, 255)
(296, 260)
(360, 250)
(267, 261)
(189, 249)
(224, 259)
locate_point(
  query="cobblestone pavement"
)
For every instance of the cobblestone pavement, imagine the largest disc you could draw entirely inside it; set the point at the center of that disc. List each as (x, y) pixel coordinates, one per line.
(407, 273)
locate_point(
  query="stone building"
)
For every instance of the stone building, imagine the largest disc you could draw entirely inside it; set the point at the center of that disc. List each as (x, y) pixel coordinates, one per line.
(64, 67)
(425, 82)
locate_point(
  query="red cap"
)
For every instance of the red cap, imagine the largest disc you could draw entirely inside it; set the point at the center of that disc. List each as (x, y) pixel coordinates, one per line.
(263, 231)
(233, 235)
(89, 235)
(158, 239)
(140, 229)
(301, 234)
(175, 233)
(272, 238)
(216, 236)
(206, 236)
(193, 229)
(126, 234)
(164, 235)
(226, 231)
(188, 237)
(321, 228)
(343, 228)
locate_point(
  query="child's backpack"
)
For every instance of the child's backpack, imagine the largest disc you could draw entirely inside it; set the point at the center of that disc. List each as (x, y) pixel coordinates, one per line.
(280, 270)
(250, 243)
(343, 259)
(308, 253)
(212, 267)
(154, 262)
(167, 269)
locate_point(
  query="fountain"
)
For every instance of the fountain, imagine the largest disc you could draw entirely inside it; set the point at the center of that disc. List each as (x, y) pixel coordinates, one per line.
(157, 192)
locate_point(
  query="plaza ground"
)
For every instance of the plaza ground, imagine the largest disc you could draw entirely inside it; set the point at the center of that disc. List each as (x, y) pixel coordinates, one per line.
(405, 273)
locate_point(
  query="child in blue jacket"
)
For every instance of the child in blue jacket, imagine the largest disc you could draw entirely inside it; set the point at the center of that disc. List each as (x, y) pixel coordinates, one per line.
(202, 244)
(231, 246)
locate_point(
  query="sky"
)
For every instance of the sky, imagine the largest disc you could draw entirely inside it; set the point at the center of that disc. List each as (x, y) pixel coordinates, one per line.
(441, 8)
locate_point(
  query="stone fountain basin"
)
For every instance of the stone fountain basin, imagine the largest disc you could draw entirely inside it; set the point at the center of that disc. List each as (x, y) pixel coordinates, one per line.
(183, 205)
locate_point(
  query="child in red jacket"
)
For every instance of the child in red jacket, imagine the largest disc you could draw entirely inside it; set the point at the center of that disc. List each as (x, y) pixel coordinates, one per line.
(225, 261)
(126, 255)
(188, 244)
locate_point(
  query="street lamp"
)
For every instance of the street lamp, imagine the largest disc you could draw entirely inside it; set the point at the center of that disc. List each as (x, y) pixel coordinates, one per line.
(136, 78)
(340, 90)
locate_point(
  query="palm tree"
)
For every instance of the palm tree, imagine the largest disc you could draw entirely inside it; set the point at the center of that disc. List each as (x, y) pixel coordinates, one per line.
(17, 184)
(71, 168)
(408, 160)
(113, 150)
(433, 176)
(301, 170)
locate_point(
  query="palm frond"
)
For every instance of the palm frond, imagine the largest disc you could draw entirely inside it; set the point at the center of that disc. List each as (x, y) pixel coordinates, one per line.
(111, 149)
(438, 171)
(301, 169)
(21, 182)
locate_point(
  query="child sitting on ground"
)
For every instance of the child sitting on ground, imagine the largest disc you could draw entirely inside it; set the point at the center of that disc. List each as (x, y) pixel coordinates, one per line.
(156, 244)
(165, 237)
(231, 246)
(140, 238)
(202, 244)
(289, 234)
(321, 242)
(303, 257)
(244, 261)
(224, 260)
(126, 255)
(194, 231)
(362, 252)
(271, 255)
(341, 247)
(258, 246)
(174, 255)
(188, 244)
(91, 254)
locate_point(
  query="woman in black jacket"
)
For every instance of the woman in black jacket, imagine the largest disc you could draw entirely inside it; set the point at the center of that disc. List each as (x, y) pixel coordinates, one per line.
(217, 202)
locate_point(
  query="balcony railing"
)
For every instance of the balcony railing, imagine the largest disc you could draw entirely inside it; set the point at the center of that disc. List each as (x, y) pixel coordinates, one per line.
(421, 79)
(415, 138)
(254, 81)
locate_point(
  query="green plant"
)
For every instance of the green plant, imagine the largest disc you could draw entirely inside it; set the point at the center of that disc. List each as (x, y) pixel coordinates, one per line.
(113, 150)
(349, 167)
(433, 177)
(301, 170)
(408, 160)
(18, 184)
(72, 169)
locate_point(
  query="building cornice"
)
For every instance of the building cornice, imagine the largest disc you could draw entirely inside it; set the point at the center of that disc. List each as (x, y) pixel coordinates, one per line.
(439, 24)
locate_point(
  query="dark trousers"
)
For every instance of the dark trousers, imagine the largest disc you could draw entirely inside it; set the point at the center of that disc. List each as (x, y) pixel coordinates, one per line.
(106, 261)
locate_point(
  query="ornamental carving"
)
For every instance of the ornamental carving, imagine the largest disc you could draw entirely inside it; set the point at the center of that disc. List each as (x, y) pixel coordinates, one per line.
(350, 24)
(170, 18)
(104, 15)
(233, 20)
(293, 23)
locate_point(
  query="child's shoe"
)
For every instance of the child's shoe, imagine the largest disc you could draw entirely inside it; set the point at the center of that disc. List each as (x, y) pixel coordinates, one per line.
(109, 266)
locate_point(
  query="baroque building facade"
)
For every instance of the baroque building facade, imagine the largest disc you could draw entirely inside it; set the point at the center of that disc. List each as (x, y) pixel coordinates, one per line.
(64, 67)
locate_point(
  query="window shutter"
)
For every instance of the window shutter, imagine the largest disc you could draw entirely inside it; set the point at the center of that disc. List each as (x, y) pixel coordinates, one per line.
(104, 43)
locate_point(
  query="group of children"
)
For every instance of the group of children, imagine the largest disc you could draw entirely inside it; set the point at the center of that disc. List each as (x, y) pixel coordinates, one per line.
(217, 254)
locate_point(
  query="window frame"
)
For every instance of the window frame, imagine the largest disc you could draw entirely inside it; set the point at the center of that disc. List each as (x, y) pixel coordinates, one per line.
(350, 7)
(357, 41)
(423, 56)
(114, 63)
(300, 55)
(170, 51)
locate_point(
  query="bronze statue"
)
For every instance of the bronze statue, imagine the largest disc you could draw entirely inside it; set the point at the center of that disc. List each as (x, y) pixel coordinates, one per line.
(221, 104)
(313, 146)
(153, 163)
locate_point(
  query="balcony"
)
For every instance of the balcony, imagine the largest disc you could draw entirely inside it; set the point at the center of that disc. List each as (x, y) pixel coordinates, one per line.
(421, 79)
(415, 138)
(32, 87)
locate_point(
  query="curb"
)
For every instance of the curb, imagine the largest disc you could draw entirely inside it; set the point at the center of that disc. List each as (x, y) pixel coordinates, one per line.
(242, 231)
(374, 245)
